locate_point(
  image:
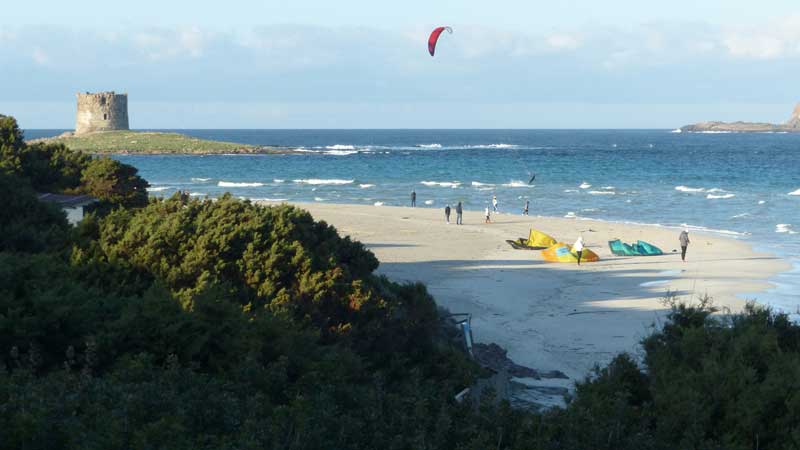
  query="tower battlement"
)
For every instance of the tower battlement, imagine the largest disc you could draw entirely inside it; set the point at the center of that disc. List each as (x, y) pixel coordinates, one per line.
(101, 111)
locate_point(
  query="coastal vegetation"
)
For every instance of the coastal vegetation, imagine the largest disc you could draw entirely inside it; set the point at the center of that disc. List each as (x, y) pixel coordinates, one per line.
(200, 324)
(150, 142)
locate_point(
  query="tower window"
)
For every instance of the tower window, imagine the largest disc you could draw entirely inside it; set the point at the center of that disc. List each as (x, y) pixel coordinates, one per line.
(102, 101)
(105, 116)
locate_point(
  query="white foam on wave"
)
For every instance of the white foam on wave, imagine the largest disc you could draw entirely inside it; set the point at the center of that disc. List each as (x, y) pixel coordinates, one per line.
(570, 215)
(797, 192)
(238, 184)
(268, 199)
(715, 197)
(278, 180)
(740, 216)
(429, 145)
(516, 184)
(319, 199)
(378, 204)
(450, 184)
(365, 186)
(341, 152)
(428, 202)
(688, 189)
(585, 185)
(761, 202)
(570, 190)
(340, 147)
(197, 194)
(495, 146)
(478, 184)
(608, 187)
(602, 193)
(318, 181)
(676, 130)
(200, 180)
(784, 228)
(159, 188)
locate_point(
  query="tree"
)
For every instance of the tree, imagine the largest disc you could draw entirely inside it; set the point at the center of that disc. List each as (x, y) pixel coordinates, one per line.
(115, 183)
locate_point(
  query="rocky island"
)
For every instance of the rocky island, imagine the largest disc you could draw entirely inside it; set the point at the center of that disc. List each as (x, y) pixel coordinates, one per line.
(791, 126)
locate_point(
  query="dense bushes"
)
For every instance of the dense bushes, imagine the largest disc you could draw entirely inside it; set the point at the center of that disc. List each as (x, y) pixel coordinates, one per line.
(55, 168)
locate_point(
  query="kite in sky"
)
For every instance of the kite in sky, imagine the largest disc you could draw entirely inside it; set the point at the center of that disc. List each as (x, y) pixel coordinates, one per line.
(434, 38)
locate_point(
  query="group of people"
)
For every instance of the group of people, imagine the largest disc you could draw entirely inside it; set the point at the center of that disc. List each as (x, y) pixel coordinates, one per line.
(577, 247)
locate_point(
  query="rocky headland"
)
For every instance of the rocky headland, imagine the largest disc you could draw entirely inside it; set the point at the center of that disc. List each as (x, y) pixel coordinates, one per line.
(790, 126)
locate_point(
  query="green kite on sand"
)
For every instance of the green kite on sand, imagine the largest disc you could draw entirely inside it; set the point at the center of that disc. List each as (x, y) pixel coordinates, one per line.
(640, 248)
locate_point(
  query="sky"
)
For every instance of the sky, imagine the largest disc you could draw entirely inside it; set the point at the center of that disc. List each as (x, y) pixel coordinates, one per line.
(364, 64)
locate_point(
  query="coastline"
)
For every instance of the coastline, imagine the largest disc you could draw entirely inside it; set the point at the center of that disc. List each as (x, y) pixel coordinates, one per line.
(551, 316)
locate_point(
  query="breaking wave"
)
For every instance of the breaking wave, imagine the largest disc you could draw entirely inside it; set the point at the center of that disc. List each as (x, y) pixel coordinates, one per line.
(516, 184)
(237, 184)
(340, 147)
(797, 192)
(585, 185)
(378, 203)
(429, 145)
(784, 228)
(318, 181)
(602, 193)
(714, 197)
(200, 180)
(159, 188)
(365, 186)
(450, 184)
(341, 152)
(479, 184)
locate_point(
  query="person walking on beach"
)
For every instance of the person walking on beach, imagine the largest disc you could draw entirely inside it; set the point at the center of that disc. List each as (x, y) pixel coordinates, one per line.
(494, 203)
(488, 215)
(578, 248)
(684, 238)
(525, 210)
(459, 212)
(413, 198)
(447, 214)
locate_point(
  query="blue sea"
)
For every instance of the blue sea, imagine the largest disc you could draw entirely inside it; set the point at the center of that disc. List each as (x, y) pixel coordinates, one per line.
(746, 186)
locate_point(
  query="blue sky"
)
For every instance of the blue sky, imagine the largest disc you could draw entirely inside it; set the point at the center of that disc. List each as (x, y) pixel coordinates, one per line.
(363, 64)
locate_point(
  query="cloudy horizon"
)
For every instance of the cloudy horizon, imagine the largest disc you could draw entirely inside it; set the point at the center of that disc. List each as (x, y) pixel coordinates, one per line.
(648, 73)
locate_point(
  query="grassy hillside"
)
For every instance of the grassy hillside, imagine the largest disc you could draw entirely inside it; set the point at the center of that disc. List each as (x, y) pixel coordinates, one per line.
(152, 142)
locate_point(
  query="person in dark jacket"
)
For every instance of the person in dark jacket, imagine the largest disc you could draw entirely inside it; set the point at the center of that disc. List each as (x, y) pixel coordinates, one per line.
(525, 210)
(459, 212)
(684, 239)
(447, 214)
(413, 198)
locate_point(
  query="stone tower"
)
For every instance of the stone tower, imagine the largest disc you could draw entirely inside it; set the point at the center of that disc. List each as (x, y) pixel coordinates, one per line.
(102, 111)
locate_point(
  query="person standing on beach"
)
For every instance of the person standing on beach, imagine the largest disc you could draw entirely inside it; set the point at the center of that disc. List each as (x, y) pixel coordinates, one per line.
(459, 212)
(684, 239)
(578, 248)
(413, 198)
(488, 215)
(447, 214)
(525, 210)
(494, 203)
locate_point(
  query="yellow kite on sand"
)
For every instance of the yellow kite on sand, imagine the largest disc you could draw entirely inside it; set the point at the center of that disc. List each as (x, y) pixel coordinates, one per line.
(536, 241)
(561, 252)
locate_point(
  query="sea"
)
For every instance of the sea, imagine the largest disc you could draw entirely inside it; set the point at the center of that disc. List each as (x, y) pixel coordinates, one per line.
(742, 185)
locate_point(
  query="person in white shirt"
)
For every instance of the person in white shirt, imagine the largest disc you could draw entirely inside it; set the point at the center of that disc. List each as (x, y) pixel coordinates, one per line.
(578, 248)
(494, 202)
(487, 213)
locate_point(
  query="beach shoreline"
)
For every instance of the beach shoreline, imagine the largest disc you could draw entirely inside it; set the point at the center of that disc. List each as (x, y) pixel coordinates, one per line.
(551, 316)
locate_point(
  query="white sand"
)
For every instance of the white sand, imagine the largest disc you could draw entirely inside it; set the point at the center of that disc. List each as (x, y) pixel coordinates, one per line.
(551, 316)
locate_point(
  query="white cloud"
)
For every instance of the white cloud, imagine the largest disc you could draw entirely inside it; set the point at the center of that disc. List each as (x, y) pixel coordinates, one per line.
(40, 57)
(165, 44)
(564, 41)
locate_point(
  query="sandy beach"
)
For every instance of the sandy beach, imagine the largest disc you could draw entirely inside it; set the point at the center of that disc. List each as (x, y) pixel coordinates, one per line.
(551, 316)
